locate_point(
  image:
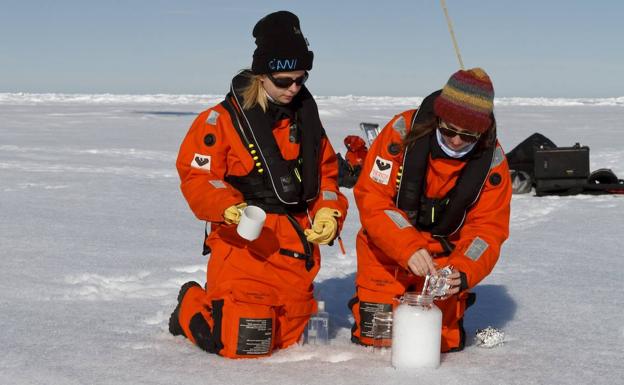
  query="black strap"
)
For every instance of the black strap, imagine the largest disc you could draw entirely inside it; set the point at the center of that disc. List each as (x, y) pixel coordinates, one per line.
(207, 249)
(236, 120)
(307, 248)
(447, 245)
(292, 253)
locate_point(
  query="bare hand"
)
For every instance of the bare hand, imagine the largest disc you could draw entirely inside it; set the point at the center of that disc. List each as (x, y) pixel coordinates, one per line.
(421, 263)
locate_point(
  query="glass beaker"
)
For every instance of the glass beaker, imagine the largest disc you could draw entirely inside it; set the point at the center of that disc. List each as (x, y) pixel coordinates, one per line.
(382, 331)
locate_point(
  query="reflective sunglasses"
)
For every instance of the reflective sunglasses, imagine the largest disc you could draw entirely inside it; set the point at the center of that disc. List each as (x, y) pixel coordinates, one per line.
(287, 81)
(467, 137)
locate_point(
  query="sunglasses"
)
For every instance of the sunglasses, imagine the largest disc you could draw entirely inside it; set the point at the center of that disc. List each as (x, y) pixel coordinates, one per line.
(287, 82)
(450, 133)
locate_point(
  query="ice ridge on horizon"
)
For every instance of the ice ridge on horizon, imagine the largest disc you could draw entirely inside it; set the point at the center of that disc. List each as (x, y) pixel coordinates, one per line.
(21, 98)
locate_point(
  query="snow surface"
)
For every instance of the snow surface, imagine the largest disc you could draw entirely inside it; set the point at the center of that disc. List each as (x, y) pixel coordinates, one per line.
(96, 239)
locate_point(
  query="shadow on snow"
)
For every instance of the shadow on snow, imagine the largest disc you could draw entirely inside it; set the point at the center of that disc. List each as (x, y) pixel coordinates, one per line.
(494, 306)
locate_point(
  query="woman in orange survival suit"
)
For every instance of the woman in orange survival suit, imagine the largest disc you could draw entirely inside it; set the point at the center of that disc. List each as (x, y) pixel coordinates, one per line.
(434, 192)
(264, 145)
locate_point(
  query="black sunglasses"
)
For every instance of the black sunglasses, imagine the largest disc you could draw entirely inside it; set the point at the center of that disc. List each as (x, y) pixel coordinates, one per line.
(450, 133)
(287, 82)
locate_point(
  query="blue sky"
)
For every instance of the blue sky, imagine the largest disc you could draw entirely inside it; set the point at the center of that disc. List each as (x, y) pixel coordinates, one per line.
(550, 48)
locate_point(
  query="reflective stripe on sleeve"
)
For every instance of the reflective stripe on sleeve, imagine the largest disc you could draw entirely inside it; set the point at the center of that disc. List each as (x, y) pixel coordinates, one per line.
(330, 196)
(400, 126)
(498, 158)
(212, 117)
(476, 249)
(217, 183)
(398, 219)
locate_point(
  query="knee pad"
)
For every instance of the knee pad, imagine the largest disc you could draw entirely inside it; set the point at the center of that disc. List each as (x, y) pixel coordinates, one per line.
(234, 329)
(245, 329)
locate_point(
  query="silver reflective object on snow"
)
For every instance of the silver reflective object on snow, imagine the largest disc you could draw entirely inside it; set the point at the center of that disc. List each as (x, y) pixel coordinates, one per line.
(490, 337)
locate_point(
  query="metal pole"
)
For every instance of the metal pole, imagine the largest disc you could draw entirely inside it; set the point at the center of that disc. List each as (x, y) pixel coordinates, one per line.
(450, 27)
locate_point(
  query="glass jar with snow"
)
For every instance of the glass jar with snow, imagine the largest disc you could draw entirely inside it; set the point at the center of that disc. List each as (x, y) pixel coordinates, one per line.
(416, 332)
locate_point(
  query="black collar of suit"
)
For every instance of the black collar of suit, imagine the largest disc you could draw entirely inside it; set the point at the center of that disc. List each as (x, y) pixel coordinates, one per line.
(292, 182)
(452, 208)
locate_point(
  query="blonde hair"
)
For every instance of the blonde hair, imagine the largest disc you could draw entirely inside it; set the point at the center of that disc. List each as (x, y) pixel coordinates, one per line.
(254, 93)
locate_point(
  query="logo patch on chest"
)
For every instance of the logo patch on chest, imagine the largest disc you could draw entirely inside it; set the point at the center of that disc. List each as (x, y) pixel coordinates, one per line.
(201, 161)
(382, 169)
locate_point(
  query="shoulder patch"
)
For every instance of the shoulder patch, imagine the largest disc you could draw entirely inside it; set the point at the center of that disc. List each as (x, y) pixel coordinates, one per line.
(398, 219)
(201, 161)
(212, 118)
(476, 249)
(382, 169)
(498, 157)
(400, 126)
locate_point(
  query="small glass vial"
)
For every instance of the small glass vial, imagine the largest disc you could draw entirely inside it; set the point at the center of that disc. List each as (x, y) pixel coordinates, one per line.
(318, 327)
(382, 332)
(416, 332)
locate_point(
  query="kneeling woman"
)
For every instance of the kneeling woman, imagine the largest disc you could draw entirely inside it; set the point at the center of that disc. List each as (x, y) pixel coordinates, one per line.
(264, 145)
(434, 192)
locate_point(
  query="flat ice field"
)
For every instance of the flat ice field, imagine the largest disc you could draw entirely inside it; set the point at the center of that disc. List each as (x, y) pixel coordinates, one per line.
(96, 239)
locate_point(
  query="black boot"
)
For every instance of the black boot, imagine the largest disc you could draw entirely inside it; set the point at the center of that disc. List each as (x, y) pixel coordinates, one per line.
(174, 322)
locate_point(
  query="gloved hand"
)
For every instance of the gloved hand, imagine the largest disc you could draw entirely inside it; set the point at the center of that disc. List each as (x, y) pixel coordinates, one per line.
(324, 227)
(232, 214)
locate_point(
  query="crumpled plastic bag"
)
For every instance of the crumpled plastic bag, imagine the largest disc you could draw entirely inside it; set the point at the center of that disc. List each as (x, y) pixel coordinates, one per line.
(490, 337)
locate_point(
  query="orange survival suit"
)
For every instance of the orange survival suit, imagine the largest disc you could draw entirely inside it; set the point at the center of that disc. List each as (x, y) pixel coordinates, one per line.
(258, 295)
(468, 235)
(356, 150)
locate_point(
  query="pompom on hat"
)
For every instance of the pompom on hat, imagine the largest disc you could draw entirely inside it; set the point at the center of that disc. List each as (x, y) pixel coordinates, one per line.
(467, 100)
(280, 45)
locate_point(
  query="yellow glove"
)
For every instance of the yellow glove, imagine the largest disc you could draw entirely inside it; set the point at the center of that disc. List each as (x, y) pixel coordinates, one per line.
(232, 214)
(324, 227)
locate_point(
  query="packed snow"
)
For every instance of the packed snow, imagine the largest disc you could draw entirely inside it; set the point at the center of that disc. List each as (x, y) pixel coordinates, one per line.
(96, 240)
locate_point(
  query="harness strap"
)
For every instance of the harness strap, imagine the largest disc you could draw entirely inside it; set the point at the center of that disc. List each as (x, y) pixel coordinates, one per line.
(207, 249)
(293, 254)
(309, 261)
(447, 245)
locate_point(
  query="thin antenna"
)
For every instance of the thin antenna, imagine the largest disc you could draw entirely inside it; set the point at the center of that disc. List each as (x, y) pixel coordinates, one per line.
(450, 27)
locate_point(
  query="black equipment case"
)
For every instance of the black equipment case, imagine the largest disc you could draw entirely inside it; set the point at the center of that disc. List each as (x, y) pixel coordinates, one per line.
(561, 169)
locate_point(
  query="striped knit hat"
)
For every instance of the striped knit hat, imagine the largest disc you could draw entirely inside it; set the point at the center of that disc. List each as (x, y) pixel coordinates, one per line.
(467, 100)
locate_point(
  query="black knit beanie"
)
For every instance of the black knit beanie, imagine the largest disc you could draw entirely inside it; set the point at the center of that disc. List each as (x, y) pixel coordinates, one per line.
(281, 47)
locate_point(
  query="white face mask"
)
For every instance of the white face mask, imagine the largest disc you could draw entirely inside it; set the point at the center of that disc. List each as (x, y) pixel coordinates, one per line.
(449, 151)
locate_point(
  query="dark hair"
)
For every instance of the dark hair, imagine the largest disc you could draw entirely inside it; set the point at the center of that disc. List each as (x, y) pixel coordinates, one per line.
(425, 126)
(420, 129)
